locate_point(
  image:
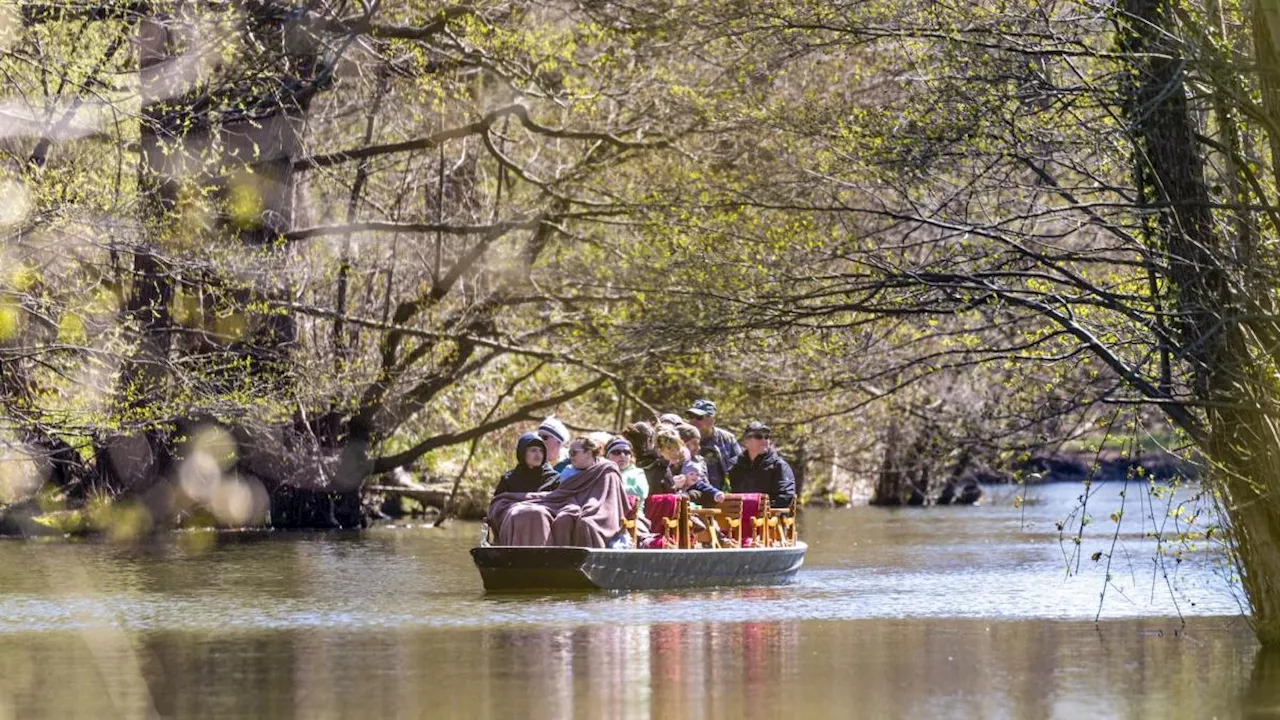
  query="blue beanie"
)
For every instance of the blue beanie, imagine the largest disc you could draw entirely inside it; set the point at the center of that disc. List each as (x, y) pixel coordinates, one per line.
(618, 442)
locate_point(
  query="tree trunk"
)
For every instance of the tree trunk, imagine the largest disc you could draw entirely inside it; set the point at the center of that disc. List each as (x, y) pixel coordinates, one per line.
(257, 128)
(1245, 448)
(1243, 444)
(906, 470)
(151, 291)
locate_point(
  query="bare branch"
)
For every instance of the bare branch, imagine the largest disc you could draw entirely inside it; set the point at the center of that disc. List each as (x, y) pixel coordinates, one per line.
(528, 412)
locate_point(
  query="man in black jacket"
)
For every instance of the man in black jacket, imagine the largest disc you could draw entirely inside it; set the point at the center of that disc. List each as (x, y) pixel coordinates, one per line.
(761, 469)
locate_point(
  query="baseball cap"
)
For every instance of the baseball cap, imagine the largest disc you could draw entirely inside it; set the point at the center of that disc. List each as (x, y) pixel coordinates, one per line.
(702, 408)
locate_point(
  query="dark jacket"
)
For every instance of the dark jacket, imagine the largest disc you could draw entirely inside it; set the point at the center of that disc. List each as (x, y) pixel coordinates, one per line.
(701, 491)
(768, 474)
(656, 471)
(720, 451)
(523, 478)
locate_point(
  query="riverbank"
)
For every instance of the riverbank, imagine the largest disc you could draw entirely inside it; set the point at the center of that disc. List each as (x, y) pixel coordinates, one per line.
(399, 497)
(1080, 465)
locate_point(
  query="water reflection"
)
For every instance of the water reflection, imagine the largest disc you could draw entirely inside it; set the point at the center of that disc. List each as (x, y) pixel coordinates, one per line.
(1263, 697)
(873, 668)
(943, 612)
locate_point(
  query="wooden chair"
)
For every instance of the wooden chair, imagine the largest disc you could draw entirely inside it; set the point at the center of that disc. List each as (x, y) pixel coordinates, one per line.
(781, 525)
(742, 517)
(669, 519)
(629, 519)
(703, 527)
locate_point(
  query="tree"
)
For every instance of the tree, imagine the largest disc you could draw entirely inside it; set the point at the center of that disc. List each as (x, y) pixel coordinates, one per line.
(1092, 183)
(350, 239)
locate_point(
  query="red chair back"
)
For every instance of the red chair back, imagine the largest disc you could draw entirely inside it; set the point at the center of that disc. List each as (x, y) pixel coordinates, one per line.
(755, 506)
(667, 521)
(661, 507)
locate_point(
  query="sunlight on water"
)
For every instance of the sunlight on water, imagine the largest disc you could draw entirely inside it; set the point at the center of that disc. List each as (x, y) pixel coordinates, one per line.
(910, 612)
(985, 562)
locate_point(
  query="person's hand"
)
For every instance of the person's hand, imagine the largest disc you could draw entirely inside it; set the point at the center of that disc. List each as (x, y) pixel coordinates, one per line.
(719, 497)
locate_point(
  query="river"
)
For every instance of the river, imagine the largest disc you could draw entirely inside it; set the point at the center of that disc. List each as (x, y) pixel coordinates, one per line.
(984, 611)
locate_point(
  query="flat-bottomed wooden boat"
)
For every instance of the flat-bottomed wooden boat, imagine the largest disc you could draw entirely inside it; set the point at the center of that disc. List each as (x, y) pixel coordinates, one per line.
(524, 569)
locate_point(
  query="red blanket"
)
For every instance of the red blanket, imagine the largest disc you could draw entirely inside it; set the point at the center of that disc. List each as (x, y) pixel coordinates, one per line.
(753, 506)
(658, 508)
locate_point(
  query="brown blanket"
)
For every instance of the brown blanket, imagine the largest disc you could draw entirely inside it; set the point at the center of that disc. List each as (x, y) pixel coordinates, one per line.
(585, 511)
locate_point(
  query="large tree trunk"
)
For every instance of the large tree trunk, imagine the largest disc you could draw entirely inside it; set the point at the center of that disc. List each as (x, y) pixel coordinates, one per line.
(1243, 444)
(151, 288)
(1245, 448)
(256, 128)
(131, 461)
(910, 472)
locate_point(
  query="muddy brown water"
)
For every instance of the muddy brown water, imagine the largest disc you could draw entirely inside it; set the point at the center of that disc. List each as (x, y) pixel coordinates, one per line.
(924, 613)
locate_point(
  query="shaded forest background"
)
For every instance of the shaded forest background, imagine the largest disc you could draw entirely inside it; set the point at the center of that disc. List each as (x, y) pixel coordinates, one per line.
(258, 254)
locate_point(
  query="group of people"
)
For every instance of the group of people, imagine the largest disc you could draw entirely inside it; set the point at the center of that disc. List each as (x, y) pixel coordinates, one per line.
(568, 490)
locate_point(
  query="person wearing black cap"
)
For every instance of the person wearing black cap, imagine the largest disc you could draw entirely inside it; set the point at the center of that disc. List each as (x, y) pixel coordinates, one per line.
(761, 469)
(718, 447)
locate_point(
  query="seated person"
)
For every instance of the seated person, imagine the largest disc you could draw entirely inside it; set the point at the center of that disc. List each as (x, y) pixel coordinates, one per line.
(761, 469)
(692, 440)
(718, 446)
(555, 435)
(656, 469)
(689, 474)
(584, 511)
(634, 482)
(532, 472)
(601, 439)
(669, 420)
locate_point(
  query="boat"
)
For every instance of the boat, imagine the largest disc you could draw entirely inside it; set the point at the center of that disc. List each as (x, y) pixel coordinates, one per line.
(525, 569)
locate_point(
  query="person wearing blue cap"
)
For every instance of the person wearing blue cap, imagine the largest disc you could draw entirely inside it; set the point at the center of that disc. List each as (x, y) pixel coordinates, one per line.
(718, 447)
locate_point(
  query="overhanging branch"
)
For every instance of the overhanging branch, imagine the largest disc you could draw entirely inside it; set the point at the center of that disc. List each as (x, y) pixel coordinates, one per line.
(528, 412)
(478, 127)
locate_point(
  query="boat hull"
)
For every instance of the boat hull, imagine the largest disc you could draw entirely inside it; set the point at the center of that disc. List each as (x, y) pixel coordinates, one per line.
(524, 569)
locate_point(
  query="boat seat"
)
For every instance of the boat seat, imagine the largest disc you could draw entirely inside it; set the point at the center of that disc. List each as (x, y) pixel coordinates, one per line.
(781, 525)
(741, 517)
(629, 519)
(668, 516)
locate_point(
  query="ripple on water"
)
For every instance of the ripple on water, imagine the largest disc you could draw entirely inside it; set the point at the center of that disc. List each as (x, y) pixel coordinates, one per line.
(862, 564)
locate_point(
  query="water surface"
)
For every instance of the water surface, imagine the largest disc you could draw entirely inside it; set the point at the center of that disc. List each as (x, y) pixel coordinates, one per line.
(939, 612)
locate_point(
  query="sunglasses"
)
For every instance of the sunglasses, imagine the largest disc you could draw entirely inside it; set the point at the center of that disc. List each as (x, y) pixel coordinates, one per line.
(619, 452)
(547, 438)
(756, 436)
(575, 451)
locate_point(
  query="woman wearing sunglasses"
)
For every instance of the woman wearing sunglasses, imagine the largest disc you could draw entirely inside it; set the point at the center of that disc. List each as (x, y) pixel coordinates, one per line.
(634, 481)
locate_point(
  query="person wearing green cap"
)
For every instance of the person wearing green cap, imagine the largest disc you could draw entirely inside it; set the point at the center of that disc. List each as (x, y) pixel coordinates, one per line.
(718, 447)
